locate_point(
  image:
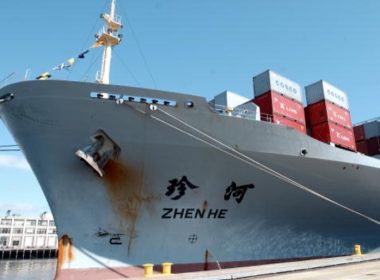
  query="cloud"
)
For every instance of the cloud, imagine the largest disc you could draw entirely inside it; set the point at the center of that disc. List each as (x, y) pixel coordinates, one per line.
(14, 162)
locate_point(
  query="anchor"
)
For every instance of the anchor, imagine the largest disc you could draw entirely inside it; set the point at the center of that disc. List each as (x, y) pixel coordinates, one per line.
(99, 152)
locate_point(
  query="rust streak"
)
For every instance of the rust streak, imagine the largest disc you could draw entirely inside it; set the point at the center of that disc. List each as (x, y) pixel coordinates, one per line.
(205, 265)
(65, 252)
(205, 204)
(124, 186)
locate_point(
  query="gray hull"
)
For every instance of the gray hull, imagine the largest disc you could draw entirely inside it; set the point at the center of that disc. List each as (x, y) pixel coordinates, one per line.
(166, 197)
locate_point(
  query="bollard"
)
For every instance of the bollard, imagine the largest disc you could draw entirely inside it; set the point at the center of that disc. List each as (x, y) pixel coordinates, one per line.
(148, 269)
(167, 268)
(357, 250)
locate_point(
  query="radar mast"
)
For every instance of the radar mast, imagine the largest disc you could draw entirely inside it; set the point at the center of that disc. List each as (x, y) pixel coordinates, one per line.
(108, 37)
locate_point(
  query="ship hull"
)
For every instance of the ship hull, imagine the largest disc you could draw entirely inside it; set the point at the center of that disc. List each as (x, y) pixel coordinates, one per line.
(189, 186)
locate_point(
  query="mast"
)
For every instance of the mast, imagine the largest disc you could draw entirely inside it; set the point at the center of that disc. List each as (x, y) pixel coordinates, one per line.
(108, 37)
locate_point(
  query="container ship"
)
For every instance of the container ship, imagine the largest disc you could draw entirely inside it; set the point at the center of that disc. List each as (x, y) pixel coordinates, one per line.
(136, 176)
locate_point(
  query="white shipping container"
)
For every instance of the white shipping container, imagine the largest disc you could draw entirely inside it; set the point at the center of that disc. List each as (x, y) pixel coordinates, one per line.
(372, 129)
(247, 110)
(270, 80)
(322, 90)
(229, 99)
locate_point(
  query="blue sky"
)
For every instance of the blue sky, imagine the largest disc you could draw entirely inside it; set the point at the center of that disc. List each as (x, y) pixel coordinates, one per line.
(201, 47)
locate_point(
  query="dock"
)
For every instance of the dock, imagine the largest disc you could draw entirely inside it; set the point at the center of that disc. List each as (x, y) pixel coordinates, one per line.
(347, 267)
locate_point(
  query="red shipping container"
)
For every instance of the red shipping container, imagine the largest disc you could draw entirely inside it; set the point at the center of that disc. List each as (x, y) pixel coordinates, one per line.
(288, 122)
(373, 146)
(273, 103)
(325, 111)
(361, 147)
(359, 133)
(332, 133)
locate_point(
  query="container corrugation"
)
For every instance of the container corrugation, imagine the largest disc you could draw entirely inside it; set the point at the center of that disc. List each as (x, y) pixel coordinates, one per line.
(322, 90)
(288, 122)
(325, 111)
(373, 146)
(359, 133)
(229, 99)
(332, 133)
(274, 103)
(361, 147)
(271, 81)
(372, 129)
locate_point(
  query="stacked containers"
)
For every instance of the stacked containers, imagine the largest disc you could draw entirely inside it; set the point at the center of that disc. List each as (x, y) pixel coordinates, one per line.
(328, 115)
(367, 137)
(280, 100)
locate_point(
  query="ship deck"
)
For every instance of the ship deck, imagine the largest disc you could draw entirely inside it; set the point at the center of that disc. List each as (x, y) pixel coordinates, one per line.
(354, 267)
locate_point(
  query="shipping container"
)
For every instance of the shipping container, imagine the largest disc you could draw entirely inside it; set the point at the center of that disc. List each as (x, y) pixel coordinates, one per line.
(271, 81)
(274, 103)
(322, 90)
(373, 146)
(372, 129)
(325, 111)
(361, 147)
(229, 99)
(277, 119)
(359, 133)
(247, 110)
(332, 133)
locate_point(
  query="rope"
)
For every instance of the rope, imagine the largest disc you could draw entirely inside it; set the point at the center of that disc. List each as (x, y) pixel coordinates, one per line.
(126, 67)
(138, 45)
(240, 156)
(9, 148)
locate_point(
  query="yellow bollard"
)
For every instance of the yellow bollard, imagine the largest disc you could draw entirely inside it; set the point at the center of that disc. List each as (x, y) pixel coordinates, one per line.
(148, 269)
(167, 268)
(357, 250)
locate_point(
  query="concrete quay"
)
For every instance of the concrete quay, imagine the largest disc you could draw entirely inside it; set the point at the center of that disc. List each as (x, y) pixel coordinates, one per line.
(347, 267)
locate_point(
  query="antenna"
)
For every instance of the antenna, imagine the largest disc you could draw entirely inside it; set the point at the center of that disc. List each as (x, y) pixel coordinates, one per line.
(108, 37)
(27, 74)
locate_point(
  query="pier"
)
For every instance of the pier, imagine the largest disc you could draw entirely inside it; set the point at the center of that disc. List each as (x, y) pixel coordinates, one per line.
(347, 267)
(15, 254)
(28, 237)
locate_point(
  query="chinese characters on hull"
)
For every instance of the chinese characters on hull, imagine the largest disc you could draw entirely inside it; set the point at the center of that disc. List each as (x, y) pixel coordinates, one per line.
(238, 192)
(179, 187)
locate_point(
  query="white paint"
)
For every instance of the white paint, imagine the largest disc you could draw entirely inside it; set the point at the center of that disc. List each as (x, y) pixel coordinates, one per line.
(229, 99)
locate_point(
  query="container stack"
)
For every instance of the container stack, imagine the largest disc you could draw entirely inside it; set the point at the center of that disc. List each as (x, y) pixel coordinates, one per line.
(280, 100)
(328, 115)
(367, 137)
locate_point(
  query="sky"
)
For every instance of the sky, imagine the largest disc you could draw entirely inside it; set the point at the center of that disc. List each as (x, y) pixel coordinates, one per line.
(200, 47)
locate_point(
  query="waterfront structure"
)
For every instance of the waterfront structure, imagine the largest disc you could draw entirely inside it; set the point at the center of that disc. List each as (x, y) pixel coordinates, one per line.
(27, 234)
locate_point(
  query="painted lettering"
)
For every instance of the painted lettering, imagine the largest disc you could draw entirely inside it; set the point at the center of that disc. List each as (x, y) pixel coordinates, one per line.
(166, 214)
(212, 213)
(237, 192)
(189, 213)
(178, 212)
(200, 213)
(193, 213)
(179, 187)
(222, 213)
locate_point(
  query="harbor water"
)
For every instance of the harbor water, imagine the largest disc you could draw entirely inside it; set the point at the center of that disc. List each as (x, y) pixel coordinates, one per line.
(35, 269)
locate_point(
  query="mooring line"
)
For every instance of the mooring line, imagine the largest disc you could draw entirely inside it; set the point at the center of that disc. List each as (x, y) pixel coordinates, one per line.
(248, 160)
